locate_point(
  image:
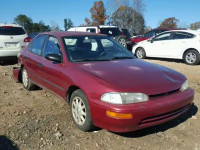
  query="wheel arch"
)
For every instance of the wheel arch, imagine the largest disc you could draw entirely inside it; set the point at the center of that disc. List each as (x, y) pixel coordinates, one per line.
(188, 50)
(69, 92)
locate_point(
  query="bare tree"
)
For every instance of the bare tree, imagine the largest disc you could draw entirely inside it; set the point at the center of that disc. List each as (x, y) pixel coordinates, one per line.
(195, 26)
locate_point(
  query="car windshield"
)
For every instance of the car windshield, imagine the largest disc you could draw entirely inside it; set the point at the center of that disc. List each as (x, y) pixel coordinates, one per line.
(94, 48)
(11, 31)
(111, 31)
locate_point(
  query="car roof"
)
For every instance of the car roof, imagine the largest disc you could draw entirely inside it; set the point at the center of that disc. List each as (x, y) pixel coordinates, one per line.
(9, 24)
(188, 31)
(71, 33)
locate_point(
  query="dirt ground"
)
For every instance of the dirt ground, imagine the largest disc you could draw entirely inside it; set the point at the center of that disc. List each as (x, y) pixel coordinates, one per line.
(40, 120)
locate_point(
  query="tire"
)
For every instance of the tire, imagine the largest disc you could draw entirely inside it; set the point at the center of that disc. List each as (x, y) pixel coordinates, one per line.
(27, 83)
(121, 40)
(80, 111)
(191, 57)
(140, 53)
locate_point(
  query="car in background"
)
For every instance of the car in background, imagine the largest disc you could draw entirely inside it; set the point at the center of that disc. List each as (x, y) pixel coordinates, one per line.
(32, 35)
(177, 44)
(112, 31)
(150, 34)
(127, 36)
(104, 84)
(12, 39)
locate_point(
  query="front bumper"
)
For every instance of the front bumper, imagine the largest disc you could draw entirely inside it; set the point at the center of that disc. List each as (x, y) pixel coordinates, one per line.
(153, 112)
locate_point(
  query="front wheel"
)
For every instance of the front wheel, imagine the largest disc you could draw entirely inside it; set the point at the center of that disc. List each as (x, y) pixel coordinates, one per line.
(140, 53)
(191, 57)
(80, 111)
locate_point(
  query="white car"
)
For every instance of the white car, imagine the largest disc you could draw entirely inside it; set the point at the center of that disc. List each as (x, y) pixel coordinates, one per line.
(175, 44)
(12, 39)
(112, 31)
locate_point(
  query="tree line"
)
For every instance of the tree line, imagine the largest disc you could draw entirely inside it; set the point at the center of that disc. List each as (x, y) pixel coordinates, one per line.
(122, 13)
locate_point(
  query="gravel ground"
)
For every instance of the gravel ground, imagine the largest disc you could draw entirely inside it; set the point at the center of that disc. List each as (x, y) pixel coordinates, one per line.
(40, 120)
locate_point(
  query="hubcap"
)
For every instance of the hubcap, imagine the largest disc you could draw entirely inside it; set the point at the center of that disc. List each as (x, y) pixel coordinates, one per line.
(122, 42)
(191, 57)
(140, 53)
(25, 78)
(78, 110)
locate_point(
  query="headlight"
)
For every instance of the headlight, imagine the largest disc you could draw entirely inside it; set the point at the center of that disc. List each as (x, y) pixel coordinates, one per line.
(185, 86)
(124, 98)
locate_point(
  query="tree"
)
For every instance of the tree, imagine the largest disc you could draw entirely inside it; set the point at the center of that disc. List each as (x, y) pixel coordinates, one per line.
(127, 17)
(24, 21)
(98, 14)
(169, 23)
(40, 27)
(195, 26)
(68, 24)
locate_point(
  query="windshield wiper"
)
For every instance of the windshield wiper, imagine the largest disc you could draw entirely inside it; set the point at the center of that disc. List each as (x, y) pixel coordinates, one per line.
(115, 58)
(82, 60)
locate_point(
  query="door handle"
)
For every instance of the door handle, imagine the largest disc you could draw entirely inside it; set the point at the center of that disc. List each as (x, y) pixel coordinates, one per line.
(40, 64)
(25, 58)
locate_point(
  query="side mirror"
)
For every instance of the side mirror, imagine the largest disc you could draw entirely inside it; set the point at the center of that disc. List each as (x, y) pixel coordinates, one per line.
(150, 40)
(54, 57)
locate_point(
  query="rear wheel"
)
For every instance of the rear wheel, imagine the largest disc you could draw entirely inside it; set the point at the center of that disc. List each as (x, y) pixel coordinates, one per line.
(191, 57)
(80, 111)
(140, 53)
(27, 83)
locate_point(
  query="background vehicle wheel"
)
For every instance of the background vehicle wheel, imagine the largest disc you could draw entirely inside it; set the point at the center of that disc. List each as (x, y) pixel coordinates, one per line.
(121, 40)
(140, 53)
(80, 111)
(26, 81)
(191, 57)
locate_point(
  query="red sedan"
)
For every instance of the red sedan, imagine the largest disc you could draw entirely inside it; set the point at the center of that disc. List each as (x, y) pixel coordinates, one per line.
(105, 85)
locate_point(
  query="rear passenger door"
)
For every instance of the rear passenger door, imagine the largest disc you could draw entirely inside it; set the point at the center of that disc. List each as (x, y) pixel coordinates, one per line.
(32, 59)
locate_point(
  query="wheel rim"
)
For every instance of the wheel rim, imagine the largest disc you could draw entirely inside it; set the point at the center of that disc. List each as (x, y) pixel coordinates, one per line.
(78, 110)
(122, 42)
(191, 57)
(25, 78)
(140, 53)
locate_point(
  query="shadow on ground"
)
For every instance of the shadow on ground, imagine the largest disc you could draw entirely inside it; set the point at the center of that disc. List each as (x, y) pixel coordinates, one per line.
(7, 144)
(163, 127)
(8, 62)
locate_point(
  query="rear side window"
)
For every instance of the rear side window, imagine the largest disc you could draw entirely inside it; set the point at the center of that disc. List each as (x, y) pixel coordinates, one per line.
(182, 35)
(111, 31)
(91, 30)
(12, 31)
(36, 45)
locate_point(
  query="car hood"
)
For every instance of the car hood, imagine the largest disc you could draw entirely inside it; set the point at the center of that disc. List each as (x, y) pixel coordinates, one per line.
(134, 75)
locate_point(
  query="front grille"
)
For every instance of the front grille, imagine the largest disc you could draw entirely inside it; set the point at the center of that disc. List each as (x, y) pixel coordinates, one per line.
(163, 94)
(161, 117)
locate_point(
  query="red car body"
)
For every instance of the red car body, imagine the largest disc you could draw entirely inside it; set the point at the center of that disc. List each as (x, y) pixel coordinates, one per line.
(162, 85)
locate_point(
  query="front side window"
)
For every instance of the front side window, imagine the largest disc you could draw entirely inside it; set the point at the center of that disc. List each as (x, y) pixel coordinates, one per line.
(36, 45)
(165, 36)
(94, 48)
(52, 47)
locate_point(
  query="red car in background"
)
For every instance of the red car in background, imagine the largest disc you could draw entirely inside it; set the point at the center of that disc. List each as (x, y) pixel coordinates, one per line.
(150, 34)
(105, 85)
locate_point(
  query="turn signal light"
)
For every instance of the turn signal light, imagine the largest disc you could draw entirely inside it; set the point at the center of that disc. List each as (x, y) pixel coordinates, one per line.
(118, 115)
